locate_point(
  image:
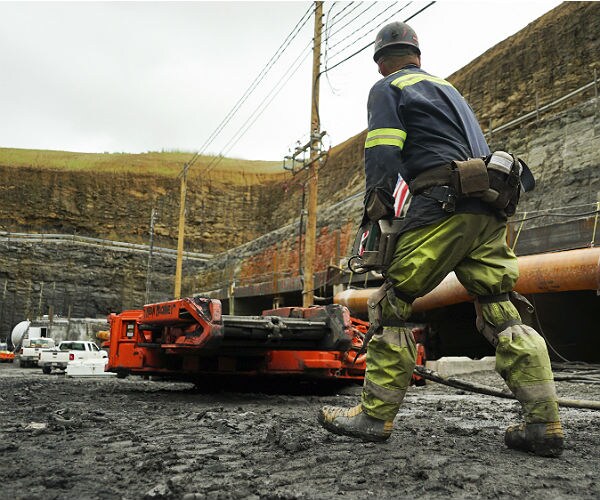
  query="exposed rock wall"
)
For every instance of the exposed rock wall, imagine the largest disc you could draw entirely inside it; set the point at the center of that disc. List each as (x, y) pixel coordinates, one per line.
(562, 151)
(80, 280)
(223, 209)
(551, 57)
(251, 222)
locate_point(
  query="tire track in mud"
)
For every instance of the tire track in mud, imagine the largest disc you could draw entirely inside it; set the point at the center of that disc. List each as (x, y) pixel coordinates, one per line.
(130, 439)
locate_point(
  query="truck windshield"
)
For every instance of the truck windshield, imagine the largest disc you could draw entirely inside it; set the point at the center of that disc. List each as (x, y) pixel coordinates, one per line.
(40, 343)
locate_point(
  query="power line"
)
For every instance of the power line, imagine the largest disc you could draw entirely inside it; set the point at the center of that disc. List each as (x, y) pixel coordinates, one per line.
(333, 22)
(371, 43)
(292, 69)
(353, 20)
(262, 74)
(364, 25)
(258, 111)
(244, 128)
(349, 4)
(326, 36)
(354, 42)
(258, 79)
(326, 70)
(329, 25)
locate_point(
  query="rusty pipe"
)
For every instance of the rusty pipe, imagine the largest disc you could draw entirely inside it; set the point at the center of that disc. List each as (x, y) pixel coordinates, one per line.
(539, 273)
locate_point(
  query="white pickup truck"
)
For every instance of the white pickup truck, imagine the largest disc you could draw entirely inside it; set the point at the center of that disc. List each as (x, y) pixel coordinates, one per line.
(68, 350)
(30, 352)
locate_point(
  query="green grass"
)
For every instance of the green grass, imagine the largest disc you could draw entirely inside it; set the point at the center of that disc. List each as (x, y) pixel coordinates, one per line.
(166, 164)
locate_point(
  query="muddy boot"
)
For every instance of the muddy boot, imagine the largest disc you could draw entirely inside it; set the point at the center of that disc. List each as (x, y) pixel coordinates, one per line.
(544, 439)
(355, 422)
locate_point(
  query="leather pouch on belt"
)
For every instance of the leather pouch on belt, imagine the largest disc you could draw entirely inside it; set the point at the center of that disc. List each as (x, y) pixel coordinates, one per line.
(473, 176)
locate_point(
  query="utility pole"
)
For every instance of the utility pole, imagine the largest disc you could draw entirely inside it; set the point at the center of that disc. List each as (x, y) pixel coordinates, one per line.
(313, 169)
(150, 251)
(180, 235)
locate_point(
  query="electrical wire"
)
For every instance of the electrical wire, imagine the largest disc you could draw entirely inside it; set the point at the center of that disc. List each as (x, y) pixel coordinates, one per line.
(256, 82)
(262, 74)
(326, 56)
(327, 69)
(492, 391)
(579, 365)
(349, 45)
(348, 4)
(258, 112)
(544, 210)
(369, 44)
(537, 319)
(366, 24)
(354, 19)
(327, 36)
(340, 51)
(333, 23)
(244, 128)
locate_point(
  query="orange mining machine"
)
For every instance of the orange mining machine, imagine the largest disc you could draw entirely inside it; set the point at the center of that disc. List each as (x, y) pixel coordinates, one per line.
(189, 339)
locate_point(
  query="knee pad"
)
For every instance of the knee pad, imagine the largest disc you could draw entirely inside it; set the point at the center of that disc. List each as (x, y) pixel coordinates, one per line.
(396, 307)
(495, 313)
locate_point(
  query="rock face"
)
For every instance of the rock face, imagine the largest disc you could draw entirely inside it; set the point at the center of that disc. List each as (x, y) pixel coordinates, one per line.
(79, 280)
(251, 222)
(562, 151)
(223, 209)
(551, 57)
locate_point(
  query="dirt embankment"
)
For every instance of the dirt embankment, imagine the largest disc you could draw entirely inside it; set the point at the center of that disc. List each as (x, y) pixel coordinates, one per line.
(224, 209)
(132, 439)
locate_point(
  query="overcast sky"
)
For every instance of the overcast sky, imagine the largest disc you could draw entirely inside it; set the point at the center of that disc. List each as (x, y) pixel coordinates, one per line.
(150, 76)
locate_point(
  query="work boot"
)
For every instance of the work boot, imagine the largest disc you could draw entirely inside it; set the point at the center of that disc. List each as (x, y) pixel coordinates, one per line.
(544, 439)
(355, 422)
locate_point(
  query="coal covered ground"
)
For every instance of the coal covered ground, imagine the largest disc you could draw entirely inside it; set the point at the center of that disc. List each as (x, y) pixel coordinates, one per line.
(108, 438)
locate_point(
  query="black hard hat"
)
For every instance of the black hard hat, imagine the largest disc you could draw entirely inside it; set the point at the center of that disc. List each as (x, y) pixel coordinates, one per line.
(396, 33)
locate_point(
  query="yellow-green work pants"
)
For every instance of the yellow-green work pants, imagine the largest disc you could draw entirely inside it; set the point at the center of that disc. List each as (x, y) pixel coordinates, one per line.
(474, 247)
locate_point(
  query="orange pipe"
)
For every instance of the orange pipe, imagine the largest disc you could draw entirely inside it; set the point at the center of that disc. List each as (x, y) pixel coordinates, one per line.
(540, 273)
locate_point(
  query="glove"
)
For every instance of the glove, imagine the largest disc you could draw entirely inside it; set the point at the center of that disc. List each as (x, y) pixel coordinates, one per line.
(379, 205)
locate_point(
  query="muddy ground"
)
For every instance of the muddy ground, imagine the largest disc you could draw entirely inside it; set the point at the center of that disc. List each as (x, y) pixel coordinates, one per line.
(134, 438)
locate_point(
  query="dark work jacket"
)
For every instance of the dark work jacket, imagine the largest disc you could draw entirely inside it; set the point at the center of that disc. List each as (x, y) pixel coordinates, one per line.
(416, 122)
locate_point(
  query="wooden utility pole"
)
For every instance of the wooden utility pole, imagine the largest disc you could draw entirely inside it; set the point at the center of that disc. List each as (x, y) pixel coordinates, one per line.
(313, 169)
(180, 235)
(150, 251)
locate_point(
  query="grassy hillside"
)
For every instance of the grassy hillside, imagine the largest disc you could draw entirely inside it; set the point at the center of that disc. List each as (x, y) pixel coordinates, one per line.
(166, 164)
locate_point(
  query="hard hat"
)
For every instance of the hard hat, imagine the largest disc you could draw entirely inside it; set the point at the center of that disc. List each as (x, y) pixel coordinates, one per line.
(392, 34)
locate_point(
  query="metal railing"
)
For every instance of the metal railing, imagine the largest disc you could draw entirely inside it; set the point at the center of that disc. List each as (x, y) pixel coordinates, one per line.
(100, 243)
(535, 113)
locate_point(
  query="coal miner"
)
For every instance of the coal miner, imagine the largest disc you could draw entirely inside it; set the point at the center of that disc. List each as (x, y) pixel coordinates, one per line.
(423, 129)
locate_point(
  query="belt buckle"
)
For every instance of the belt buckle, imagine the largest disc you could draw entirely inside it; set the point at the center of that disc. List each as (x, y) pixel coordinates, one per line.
(448, 199)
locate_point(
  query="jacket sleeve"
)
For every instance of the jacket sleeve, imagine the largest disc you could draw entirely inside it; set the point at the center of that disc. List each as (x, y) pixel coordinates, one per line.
(383, 147)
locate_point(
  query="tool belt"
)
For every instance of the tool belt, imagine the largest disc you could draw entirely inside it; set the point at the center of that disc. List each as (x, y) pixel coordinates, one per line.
(496, 179)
